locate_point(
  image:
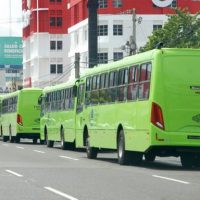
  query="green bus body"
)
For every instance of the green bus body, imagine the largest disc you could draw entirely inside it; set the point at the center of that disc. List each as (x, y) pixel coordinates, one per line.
(59, 114)
(149, 105)
(20, 115)
(146, 104)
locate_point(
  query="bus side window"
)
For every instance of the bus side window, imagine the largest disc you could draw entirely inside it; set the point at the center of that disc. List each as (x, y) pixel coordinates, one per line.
(122, 84)
(88, 91)
(144, 82)
(132, 83)
(112, 86)
(80, 98)
(94, 92)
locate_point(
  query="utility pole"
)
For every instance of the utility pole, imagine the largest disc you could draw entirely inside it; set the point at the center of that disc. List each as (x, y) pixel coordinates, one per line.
(77, 65)
(133, 46)
(92, 32)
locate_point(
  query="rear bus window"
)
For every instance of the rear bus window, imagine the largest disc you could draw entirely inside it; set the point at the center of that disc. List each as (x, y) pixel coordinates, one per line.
(133, 83)
(144, 82)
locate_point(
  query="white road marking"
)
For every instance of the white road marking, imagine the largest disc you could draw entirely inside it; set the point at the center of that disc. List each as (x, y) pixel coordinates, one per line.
(68, 157)
(14, 173)
(5, 145)
(19, 147)
(39, 151)
(60, 193)
(171, 179)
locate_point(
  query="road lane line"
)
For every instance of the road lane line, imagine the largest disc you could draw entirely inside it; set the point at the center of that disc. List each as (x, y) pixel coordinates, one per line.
(60, 193)
(38, 151)
(171, 179)
(19, 147)
(68, 157)
(14, 173)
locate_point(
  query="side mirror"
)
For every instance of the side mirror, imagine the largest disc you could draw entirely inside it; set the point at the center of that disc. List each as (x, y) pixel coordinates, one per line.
(40, 100)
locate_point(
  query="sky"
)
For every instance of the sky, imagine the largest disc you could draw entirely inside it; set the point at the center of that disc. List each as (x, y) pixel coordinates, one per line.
(15, 28)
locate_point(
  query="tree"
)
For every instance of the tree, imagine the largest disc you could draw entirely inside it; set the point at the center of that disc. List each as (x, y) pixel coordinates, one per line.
(182, 30)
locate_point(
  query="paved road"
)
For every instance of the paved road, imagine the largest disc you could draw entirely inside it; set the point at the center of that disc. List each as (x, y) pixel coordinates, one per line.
(34, 172)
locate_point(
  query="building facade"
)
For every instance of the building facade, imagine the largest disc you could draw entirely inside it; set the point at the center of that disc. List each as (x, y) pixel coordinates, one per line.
(116, 26)
(45, 42)
(54, 30)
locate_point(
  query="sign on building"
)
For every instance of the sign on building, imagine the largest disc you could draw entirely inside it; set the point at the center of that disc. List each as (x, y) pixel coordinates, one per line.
(162, 3)
(11, 51)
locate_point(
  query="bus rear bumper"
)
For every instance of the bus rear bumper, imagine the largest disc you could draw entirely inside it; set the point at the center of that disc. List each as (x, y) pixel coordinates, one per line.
(28, 135)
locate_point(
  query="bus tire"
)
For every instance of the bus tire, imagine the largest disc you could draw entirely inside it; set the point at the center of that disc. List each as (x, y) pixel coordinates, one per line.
(11, 138)
(122, 154)
(50, 143)
(149, 157)
(5, 138)
(34, 140)
(62, 140)
(187, 160)
(17, 139)
(42, 141)
(91, 151)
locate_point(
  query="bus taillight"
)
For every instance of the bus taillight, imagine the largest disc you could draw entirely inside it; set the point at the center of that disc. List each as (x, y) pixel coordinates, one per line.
(19, 119)
(157, 116)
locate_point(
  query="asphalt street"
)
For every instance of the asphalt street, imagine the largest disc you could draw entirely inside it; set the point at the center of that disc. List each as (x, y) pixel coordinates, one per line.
(35, 172)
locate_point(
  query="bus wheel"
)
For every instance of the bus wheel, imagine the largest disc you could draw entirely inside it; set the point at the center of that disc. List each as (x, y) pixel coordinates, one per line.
(34, 140)
(17, 139)
(11, 138)
(149, 157)
(187, 160)
(122, 154)
(62, 141)
(91, 151)
(42, 141)
(49, 142)
(5, 138)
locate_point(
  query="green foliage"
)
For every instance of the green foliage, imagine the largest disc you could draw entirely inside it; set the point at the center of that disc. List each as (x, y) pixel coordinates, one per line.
(182, 30)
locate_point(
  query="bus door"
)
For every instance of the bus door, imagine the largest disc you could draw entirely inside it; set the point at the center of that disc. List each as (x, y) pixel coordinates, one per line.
(80, 120)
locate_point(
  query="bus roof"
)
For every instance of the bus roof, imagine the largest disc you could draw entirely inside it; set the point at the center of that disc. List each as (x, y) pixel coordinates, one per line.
(141, 57)
(16, 93)
(60, 86)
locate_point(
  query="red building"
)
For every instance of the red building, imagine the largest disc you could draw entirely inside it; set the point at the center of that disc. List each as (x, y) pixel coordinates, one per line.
(78, 8)
(55, 29)
(45, 41)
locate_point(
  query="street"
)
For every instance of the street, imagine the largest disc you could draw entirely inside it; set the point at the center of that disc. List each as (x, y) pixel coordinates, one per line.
(30, 172)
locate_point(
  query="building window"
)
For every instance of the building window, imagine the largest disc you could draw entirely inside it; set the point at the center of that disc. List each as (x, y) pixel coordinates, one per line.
(117, 56)
(59, 21)
(52, 21)
(102, 30)
(53, 45)
(174, 4)
(59, 45)
(56, 68)
(52, 1)
(156, 27)
(117, 3)
(59, 1)
(53, 69)
(59, 69)
(102, 58)
(103, 3)
(117, 29)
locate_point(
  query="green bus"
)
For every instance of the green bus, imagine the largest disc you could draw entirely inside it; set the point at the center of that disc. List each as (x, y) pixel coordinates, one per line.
(58, 114)
(20, 115)
(143, 105)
